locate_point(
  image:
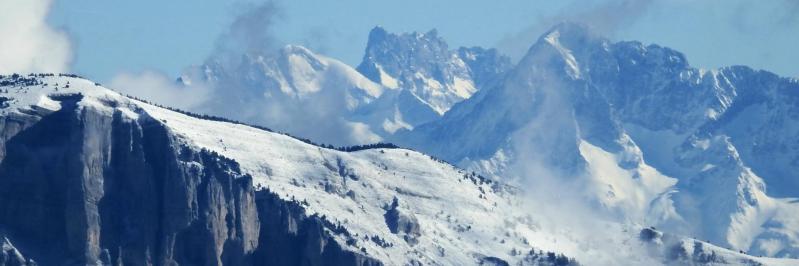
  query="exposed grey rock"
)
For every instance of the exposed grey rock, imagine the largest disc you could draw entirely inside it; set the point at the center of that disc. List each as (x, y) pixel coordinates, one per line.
(650, 235)
(12, 124)
(402, 223)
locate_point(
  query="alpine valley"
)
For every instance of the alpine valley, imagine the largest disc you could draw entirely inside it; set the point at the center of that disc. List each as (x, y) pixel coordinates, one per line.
(584, 152)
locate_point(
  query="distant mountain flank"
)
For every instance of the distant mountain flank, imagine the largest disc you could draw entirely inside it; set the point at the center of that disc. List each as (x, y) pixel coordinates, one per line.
(707, 153)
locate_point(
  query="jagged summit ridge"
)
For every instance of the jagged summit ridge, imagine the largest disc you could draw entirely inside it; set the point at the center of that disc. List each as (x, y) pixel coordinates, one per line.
(423, 64)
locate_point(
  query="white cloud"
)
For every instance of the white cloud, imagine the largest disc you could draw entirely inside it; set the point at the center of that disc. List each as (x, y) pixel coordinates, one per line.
(159, 88)
(27, 43)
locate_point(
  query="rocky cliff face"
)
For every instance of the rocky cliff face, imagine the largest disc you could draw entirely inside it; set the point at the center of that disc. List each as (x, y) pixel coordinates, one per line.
(81, 186)
(290, 237)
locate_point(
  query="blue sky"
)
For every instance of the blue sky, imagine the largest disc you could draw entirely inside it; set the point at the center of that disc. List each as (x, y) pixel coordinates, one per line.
(111, 37)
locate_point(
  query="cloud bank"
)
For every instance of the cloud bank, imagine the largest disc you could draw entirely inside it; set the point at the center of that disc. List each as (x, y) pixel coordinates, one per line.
(161, 89)
(28, 44)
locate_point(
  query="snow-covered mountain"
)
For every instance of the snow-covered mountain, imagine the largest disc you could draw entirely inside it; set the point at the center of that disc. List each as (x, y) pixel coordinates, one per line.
(89, 176)
(293, 90)
(640, 134)
(405, 80)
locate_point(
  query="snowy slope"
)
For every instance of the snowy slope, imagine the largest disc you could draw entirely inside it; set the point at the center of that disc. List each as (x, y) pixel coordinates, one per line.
(640, 134)
(354, 188)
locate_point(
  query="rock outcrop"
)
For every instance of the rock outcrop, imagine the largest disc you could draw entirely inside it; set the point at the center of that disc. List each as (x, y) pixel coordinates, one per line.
(402, 223)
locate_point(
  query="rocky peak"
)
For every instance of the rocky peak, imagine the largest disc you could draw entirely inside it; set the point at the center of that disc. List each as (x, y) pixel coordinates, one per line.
(401, 55)
(567, 46)
(423, 64)
(570, 34)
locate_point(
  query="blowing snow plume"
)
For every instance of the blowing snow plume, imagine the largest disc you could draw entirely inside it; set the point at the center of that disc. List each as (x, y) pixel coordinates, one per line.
(28, 43)
(557, 137)
(558, 189)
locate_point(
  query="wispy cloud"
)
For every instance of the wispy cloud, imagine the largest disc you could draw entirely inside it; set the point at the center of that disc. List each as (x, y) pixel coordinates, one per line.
(605, 17)
(251, 32)
(317, 39)
(28, 44)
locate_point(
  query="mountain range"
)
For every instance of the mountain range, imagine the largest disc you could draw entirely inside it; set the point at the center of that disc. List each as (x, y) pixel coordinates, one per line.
(572, 155)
